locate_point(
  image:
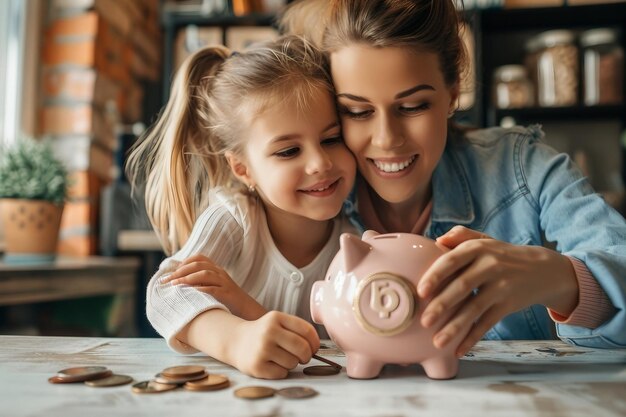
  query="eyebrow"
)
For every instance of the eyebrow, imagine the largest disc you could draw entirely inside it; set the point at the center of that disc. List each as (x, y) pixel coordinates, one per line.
(297, 135)
(401, 94)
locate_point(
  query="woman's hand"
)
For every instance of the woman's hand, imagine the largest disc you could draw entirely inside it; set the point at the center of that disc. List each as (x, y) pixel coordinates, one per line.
(272, 345)
(200, 272)
(508, 278)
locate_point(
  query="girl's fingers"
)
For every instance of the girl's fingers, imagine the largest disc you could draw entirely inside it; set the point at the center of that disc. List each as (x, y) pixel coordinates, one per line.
(188, 269)
(305, 331)
(443, 268)
(197, 279)
(195, 258)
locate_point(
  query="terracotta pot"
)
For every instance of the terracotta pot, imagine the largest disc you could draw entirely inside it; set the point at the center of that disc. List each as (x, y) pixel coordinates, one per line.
(31, 229)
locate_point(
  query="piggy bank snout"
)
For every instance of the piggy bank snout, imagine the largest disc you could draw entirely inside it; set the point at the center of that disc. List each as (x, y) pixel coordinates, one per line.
(317, 299)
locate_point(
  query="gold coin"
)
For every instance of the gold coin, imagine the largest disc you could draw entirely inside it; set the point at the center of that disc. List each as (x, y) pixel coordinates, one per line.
(184, 370)
(321, 370)
(297, 392)
(80, 374)
(151, 387)
(162, 379)
(210, 383)
(254, 392)
(110, 381)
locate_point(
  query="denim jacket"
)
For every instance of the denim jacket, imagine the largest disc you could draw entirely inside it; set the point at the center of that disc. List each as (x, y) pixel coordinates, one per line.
(511, 186)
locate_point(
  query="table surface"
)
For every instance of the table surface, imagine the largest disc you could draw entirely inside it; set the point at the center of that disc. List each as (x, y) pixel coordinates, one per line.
(514, 378)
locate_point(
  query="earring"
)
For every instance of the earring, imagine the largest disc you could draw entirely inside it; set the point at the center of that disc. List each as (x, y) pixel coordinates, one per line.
(251, 188)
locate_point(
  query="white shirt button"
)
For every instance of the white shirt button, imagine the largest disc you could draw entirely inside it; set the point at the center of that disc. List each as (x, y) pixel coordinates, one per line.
(296, 277)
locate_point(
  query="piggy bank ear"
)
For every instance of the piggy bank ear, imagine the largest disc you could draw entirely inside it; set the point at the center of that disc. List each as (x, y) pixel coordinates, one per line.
(354, 250)
(369, 234)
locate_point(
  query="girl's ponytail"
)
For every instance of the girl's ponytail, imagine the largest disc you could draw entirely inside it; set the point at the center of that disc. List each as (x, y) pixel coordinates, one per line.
(176, 160)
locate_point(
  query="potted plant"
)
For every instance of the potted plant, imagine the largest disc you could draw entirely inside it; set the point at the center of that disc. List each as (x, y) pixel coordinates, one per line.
(33, 189)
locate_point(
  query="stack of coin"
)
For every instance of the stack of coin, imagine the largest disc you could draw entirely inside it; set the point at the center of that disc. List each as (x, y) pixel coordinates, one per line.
(95, 376)
(210, 383)
(178, 375)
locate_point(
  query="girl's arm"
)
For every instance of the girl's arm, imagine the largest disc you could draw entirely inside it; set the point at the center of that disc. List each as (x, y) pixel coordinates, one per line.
(264, 348)
(200, 272)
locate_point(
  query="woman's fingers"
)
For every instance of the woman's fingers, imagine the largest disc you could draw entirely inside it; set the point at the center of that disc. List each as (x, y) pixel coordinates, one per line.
(486, 322)
(459, 234)
(461, 321)
(446, 266)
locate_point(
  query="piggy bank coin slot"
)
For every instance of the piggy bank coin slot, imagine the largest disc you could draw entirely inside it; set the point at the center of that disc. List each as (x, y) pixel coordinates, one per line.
(384, 304)
(386, 236)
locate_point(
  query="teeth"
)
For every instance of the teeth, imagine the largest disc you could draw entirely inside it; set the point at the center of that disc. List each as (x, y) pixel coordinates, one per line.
(320, 189)
(395, 166)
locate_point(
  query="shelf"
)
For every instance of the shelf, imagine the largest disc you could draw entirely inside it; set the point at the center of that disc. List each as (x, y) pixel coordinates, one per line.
(544, 18)
(541, 114)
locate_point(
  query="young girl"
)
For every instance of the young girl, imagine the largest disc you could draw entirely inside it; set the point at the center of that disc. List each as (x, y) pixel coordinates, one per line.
(493, 196)
(249, 151)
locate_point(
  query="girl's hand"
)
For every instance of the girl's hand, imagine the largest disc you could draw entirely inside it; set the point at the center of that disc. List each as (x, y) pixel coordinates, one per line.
(508, 278)
(272, 345)
(200, 272)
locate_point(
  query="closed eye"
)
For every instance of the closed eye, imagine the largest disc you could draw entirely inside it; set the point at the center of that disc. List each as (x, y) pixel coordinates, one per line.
(356, 115)
(333, 140)
(414, 109)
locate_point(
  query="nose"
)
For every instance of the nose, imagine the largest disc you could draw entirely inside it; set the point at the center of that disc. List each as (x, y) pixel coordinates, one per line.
(319, 161)
(388, 133)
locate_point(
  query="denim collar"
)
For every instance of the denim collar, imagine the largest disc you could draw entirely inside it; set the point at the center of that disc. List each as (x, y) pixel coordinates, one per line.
(452, 201)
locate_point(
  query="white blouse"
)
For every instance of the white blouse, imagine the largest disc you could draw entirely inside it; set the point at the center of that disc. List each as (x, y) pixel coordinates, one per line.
(233, 233)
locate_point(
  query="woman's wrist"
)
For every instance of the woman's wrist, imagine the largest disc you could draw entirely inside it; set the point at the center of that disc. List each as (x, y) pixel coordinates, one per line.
(564, 298)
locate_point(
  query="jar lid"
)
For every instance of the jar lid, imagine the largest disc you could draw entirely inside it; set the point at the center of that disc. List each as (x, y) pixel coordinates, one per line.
(599, 36)
(555, 37)
(510, 73)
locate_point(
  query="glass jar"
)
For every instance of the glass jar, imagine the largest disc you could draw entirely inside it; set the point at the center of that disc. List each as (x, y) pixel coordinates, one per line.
(557, 69)
(603, 67)
(512, 88)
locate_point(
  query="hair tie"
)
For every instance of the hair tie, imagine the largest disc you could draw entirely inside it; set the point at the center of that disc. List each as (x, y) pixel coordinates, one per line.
(233, 53)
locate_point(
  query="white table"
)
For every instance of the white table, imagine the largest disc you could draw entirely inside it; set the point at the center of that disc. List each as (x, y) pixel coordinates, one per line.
(497, 379)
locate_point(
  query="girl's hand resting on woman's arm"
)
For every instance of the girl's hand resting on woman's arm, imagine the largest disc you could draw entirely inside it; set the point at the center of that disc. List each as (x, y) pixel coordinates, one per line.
(200, 272)
(508, 278)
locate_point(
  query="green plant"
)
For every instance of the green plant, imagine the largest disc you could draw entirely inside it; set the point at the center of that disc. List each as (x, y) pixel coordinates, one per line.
(29, 170)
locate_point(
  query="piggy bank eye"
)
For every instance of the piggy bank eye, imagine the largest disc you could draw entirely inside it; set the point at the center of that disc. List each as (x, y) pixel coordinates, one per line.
(328, 277)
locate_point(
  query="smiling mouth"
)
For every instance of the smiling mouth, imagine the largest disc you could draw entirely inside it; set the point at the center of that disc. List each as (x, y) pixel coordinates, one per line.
(322, 190)
(396, 166)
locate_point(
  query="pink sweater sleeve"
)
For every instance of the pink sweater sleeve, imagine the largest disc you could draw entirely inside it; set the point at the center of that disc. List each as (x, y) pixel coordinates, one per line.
(594, 307)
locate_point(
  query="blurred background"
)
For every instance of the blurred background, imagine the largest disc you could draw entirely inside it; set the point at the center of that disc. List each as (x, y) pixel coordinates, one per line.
(89, 76)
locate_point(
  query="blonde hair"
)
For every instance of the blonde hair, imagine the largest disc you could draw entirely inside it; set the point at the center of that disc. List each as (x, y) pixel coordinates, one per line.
(426, 25)
(214, 97)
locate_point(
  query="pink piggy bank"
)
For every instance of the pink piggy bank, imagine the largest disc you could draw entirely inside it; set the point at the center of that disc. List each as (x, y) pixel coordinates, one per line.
(369, 305)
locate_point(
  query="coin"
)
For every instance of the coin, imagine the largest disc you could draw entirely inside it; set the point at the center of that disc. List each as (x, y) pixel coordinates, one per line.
(151, 387)
(210, 383)
(321, 370)
(162, 379)
(327, 361)
(80, 374)
(110, 381)
(254, 392)
(297, 392)
(184, 370)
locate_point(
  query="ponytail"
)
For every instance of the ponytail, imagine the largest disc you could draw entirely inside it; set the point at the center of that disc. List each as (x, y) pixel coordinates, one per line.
(177, 160)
